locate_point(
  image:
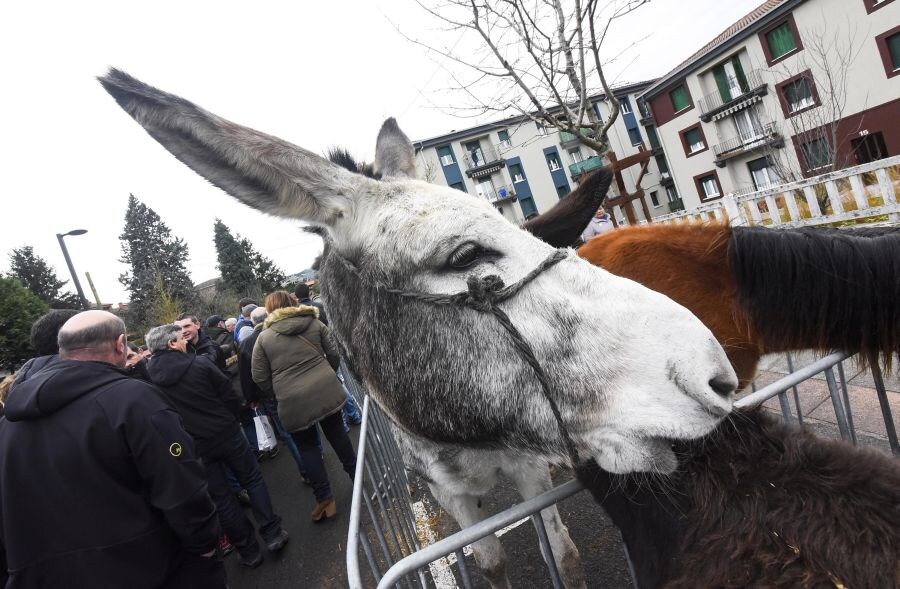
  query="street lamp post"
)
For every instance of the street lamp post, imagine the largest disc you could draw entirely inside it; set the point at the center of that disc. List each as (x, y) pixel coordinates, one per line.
(62, 245)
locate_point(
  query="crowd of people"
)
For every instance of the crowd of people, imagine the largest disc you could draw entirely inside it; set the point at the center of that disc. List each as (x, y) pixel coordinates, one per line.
(127, 466)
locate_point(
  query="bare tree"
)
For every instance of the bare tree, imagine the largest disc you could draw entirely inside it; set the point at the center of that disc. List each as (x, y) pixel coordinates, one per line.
(819, 98)
(537, 58)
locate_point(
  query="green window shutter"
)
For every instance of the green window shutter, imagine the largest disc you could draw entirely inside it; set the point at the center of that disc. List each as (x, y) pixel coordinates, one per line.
(781, 41)
(503, 135)
(893, 43)
(679, 98)
(739, 72)
(722, 83)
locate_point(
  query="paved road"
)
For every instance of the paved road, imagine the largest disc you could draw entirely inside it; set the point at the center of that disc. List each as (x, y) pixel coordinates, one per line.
(315, 555)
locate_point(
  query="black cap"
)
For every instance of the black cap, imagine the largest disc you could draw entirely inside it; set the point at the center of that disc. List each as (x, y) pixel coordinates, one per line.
(214, 320)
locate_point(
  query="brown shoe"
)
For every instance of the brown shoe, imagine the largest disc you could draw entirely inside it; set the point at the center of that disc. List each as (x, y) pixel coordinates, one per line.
(324, 509)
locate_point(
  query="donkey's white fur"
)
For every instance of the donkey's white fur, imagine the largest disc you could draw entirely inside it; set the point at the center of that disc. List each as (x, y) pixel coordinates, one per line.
(630, 367)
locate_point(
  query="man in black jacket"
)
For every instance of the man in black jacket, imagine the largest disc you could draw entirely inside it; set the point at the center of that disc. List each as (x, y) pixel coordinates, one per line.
(203, 396)
(198, 342)
(99, 483)
(301, 291)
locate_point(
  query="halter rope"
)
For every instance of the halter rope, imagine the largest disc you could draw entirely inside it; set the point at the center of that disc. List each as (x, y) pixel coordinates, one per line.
(484, 295)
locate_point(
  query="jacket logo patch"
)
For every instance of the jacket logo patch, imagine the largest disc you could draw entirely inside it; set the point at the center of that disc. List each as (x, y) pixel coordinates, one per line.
(175, 449)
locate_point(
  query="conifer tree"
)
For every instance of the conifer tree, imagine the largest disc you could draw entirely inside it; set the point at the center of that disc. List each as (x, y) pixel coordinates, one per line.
(157, 260)
(19, 308)
(40, 278)
(244, 270)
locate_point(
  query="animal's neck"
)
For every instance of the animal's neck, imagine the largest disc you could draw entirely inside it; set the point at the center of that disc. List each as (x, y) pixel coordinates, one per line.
(649, 521)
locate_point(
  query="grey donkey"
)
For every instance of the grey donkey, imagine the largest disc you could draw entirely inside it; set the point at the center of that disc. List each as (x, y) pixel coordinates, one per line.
(630, 369)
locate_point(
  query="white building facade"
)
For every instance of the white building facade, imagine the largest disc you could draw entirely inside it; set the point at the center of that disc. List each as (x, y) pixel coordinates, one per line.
(523, 168)
(794, 89)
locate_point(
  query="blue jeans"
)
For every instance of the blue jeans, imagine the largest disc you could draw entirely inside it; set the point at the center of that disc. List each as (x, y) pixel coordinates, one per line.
(333, 428)
(235, 454)
(270, 406)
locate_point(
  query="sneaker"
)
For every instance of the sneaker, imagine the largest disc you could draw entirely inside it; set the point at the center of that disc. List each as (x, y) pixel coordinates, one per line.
(273, 452)
(278, 542)
(225, 547)
(251, 562)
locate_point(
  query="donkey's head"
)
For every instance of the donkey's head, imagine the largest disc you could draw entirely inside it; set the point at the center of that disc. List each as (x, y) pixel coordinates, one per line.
(630, 368)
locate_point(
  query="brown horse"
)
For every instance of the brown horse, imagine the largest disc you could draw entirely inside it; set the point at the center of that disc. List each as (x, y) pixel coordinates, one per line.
(761, 290)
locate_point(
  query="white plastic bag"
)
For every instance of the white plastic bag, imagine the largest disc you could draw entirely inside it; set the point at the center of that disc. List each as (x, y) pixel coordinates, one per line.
(265, 435)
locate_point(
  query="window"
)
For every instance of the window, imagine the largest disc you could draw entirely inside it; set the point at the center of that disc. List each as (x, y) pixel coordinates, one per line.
(798, 95)
(671, 194)
(561, 191)
(504, 138)
(459, 186)
(889, 48)
(654, 198)
(693, 141)
(730, 79)
(598, 112)
(515, 170)
(873, 5)
(541, 129)
(624, 105)
(553, 162)
(485, 189)
(575, 154)
(476, 156)
(635, 135)
(781, 41)
(817, 153)
(747, 125)
(762, 173)
(445, 154)
(680, 98)
(709, 187)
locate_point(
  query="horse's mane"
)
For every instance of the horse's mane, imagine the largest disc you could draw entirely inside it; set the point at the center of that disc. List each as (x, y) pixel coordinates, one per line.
(758, 503)
(822, 288)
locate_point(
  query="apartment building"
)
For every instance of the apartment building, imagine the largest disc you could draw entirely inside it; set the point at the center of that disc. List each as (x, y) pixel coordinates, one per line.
(794, 89)
(523, 168)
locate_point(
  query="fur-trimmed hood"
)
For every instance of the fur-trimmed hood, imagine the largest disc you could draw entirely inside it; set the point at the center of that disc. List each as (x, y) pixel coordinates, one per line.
(291, 320)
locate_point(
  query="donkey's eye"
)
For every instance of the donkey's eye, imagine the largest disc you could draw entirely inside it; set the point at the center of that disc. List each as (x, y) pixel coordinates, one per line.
(465, 255)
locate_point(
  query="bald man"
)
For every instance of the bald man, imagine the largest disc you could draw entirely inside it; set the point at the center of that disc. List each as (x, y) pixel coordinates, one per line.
(99, 485)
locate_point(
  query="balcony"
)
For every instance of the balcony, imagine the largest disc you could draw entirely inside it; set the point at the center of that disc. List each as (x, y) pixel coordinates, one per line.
(483, 161)
(497, 196)
(676, 205)
(665, 180)
(584, 166)
(737, 96)
(567, 139)
(763, 137)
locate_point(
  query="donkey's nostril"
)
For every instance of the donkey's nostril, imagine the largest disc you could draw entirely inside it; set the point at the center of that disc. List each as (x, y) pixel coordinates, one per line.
(723, 384)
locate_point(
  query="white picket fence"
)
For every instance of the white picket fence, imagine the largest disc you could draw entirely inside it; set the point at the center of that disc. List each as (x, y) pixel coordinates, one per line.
(862, 192)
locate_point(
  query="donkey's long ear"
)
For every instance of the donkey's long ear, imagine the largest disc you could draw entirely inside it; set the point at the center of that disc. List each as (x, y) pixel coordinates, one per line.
(260, 170)
(394, 153)
(562, 224)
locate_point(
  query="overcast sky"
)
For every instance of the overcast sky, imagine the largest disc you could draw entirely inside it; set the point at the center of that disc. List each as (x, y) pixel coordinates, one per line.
(315, 73)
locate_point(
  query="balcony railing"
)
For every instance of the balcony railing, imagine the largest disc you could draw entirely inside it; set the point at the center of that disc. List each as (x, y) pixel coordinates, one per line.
(764, 136)
(714, 102)
(483, 160)
(675, 205)
(566, 138)
(665, 179)
(498, 195)
(586, 165)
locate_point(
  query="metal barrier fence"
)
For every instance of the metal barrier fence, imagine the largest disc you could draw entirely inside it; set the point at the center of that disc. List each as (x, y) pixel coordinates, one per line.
(382, 489)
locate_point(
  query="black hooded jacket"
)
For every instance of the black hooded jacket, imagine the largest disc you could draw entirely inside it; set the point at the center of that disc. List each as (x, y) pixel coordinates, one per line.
(201, 393)
(205, 346)
(99, 484)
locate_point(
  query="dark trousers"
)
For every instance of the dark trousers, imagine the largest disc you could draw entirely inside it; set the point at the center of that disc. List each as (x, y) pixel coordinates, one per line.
(333, 428)
(235, 454)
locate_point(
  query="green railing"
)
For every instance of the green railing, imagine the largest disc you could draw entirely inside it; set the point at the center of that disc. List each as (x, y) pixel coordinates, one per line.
(591, 163)
(676, 205)
(566, 137)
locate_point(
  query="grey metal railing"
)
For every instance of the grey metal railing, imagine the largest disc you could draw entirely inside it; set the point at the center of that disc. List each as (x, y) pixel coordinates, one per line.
(755, 138)
(715, 100)
(411, 568)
